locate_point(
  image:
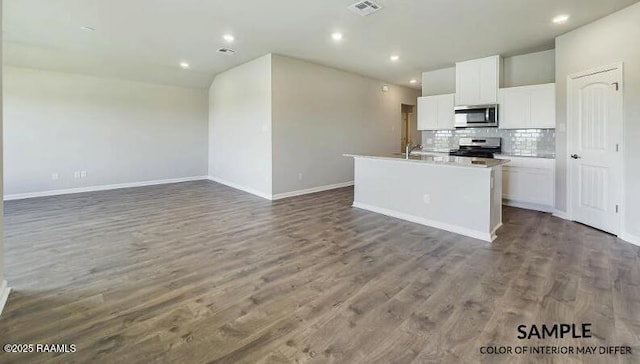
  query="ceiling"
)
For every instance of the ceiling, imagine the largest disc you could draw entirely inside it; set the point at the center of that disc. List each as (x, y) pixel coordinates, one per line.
(145, 40)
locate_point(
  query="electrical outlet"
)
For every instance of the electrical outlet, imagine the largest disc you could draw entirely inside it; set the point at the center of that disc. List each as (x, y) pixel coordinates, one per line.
(299, 176)
(76, 174)
(55, 176)
(83, 174)
(429, 141)
(426, 199)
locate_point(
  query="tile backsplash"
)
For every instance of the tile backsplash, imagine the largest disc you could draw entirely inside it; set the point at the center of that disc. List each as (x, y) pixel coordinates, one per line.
(525, 142)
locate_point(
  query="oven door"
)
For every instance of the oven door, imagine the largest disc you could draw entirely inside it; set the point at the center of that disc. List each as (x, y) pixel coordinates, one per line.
(476, 116)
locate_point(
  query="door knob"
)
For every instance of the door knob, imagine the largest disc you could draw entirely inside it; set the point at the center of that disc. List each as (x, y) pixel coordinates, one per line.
(575, 156)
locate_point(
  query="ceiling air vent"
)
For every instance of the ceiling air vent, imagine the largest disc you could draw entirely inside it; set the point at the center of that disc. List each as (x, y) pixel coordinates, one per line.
(365, 8)
(228, 51)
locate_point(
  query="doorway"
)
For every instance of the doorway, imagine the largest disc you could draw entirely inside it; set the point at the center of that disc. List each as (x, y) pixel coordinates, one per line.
(594, 141)
(408, 126)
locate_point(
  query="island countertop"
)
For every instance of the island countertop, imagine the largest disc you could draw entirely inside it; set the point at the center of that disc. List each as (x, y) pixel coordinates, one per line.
(439, 159)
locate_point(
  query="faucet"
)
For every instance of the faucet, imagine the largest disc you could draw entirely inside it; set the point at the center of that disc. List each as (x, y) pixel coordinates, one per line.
(409, 149)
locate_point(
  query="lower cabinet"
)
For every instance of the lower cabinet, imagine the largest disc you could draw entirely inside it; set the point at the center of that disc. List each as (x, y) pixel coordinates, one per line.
(529, 183)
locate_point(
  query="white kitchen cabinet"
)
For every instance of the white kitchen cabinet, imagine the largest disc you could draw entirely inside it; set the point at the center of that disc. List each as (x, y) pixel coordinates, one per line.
(427, 113)
(477, 81)
(436, 112)
(529, 183)
(528, 107)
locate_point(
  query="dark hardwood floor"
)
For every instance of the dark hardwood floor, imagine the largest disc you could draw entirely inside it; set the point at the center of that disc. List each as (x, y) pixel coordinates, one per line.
(201, 273)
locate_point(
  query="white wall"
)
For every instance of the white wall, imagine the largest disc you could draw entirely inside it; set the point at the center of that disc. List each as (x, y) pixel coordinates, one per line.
(529, 69)
(439, 82)
(319, 113)
(606, 41)
(117, 131)
(521, 70)
(240, 126)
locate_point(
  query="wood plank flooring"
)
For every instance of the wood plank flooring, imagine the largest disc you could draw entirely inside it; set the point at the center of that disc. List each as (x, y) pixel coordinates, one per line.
(198, 272)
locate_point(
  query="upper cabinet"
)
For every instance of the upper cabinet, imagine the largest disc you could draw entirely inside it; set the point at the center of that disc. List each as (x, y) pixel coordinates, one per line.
(528, 107)
(477, 81)
(436, 112)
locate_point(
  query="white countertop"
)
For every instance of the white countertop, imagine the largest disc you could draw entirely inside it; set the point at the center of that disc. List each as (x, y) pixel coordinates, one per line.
(538, 155)
(497, 155)
(438, 159)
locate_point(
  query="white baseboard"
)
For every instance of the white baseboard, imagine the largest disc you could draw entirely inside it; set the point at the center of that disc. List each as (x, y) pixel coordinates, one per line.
(489, 237)
(630, 238)
(562, 215)
(21, 196)
(280, 196)
(494, 236)
(240, 187)
(4, 294)
(528, 206)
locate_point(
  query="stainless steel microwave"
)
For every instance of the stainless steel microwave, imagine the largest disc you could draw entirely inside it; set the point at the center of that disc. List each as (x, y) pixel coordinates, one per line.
(483, 116)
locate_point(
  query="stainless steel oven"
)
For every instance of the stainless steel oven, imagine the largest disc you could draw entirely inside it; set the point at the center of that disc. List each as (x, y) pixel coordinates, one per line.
(482, 116)
(481, 147)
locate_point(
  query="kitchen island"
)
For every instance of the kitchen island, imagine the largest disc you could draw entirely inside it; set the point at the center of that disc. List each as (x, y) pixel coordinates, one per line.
(457, 194)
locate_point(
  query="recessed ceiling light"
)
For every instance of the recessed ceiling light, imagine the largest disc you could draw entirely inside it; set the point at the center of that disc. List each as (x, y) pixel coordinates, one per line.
(561, 19)
(394, 58)
(413, 81)
(87, 28)
(336, 36)
(228, 38)
(184, 65)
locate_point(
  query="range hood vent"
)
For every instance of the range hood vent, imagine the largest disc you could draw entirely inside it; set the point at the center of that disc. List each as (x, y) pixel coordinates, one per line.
(365, 8)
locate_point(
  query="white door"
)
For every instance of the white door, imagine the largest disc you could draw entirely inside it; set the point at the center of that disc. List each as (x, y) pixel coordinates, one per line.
(595, 141)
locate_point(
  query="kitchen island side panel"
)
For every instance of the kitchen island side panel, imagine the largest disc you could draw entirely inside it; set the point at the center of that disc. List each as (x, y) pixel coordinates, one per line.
(457, 199)
(496, 198)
